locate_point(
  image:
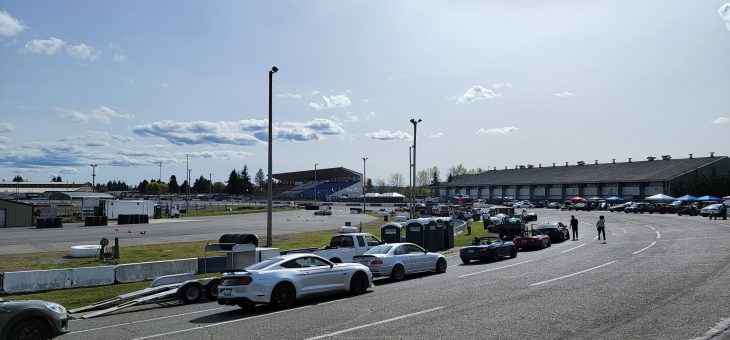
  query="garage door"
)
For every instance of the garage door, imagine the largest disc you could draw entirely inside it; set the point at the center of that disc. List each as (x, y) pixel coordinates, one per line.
(2, 218)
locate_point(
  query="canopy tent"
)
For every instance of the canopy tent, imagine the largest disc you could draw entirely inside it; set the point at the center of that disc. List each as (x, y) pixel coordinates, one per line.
(708, 198)
(577, 198)
(595, 198)
(614, 198)
(660, 197)
(687, 198)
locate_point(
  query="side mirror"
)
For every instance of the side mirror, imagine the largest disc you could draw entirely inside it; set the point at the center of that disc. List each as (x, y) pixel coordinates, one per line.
(332, 265)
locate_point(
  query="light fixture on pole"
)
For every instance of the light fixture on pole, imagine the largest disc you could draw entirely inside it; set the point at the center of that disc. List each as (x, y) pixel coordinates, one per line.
(364, 181)
(93, 177)
(413, 184)
(315, 182)
(270, 188)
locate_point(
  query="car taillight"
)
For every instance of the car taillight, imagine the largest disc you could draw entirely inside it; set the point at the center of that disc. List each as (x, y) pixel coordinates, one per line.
(376, 261)
(238, 281)
(484, 249)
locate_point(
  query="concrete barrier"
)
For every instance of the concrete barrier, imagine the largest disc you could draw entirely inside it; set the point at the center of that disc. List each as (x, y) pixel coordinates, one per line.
(135, 272)
(42, 280)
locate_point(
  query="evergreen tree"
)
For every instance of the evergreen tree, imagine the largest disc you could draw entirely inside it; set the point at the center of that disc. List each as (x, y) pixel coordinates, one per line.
(450, 178)
(184, 187)
(56, 179)
(172, 185)
(17, 178)
(246, 185)
(233, 183)
(142, 187)
(369, 185)
(260, 179)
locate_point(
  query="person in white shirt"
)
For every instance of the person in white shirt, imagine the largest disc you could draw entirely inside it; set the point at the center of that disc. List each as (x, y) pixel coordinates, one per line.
(601, 226)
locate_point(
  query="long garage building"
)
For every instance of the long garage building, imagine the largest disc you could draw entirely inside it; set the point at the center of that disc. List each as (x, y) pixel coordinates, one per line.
(629, 180)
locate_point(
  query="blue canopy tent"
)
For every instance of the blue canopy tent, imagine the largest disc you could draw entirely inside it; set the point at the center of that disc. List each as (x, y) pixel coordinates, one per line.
(614, 198)
(687, 198)
(708, 198)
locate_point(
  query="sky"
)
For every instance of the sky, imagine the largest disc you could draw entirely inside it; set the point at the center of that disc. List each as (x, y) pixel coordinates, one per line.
(129, 85)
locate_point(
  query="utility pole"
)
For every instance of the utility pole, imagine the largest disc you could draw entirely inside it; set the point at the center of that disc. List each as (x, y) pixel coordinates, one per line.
(270, 188)
(187, 191)
(315, 182)
(364, 181)
(160, 178)
(93, 177)
(210, 184)
(413, 185)
(410, 172)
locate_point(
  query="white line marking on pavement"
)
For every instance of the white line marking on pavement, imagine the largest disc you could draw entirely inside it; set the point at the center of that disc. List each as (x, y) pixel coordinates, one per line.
(720, 327)
(658, 234)
(493, 269)
(647, 247)
(576, 247)
(141, 321)
(220, 323)
(574, 274)
(595, 237)
(652, 228)
(376, 323)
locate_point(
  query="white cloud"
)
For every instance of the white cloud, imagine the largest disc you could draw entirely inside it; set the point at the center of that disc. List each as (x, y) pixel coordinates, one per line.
(502, 86)
(314, 93)
(219, 154)
(97, 139)
(44, 46)
(388, 135)
(475, 93)
(507, 130)
(83, 52)
(7, 127)
(332, 102)
(437, 135)
(289, 95)
(724, 12)
(68, 170)
(9, 26)
(564, 94)
(370, 115)
(721, 120)
(120, 57)
(3, 140)
(101, 114)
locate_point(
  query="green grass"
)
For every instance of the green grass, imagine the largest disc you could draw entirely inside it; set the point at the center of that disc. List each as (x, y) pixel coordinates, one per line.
(237, 211)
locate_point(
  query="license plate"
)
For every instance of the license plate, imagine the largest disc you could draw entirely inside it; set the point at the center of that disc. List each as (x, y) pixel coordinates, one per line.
(226, 292)
(469, 250)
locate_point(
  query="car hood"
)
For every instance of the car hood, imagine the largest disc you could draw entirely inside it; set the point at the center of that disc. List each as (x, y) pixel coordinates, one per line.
(32, 304)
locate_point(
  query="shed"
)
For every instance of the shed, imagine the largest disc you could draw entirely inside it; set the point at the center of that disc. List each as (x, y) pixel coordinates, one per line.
(15, 214)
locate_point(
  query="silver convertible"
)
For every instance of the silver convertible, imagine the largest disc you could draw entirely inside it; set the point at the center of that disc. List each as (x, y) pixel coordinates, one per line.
(400, 259)
(281, 280)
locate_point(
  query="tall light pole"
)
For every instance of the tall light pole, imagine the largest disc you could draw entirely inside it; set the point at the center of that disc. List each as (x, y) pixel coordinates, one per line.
(315, 182)
(93, 177)
(210, 184)
(413, 184)
(187, 189)
(160, 178)
(364, 181)
(271, 132)
(410, 167)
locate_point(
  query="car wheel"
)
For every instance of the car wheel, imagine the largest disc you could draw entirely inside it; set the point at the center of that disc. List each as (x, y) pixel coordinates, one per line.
(399, 273)
(513, 253)
(283, 295)
(549, 243)
(359, 283)
(190, 292)
(495, 257)
(441, 265)
(211, 289)
(542, 245)
(465, 261)
(30, 329)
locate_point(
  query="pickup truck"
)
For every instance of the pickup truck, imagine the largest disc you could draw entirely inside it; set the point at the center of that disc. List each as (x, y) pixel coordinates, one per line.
(343, 246)
(508, 228)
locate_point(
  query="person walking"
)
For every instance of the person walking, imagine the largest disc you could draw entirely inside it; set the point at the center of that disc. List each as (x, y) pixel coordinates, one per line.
(601, 226)
(574, 227)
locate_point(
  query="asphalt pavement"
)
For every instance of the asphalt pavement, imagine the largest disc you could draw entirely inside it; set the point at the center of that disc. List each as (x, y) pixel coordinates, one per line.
(657, 277)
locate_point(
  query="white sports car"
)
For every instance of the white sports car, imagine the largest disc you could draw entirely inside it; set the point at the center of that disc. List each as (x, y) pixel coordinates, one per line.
(400, 259)
(281, 280)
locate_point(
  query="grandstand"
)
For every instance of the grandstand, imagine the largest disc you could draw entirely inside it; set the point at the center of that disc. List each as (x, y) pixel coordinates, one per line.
(331, 184)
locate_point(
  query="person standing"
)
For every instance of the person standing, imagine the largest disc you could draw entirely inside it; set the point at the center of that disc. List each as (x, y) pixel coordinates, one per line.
(601, 226)
(574, 227)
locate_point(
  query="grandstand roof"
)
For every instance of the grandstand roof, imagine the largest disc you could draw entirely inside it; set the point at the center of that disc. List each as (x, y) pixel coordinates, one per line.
(641, 171)
(322, 174)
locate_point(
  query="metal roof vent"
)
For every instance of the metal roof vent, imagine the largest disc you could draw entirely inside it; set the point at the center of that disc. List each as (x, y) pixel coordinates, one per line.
(629, 159)
(690, 156)
(666, 157)
(712, 155)
(553, 165)
(505, 167)
(530, 166)
(596, 162)
(614, 160)
(522, 167)
(539, 165)
(515, 166)
(650, 158)
(581, 163)
(566, 163)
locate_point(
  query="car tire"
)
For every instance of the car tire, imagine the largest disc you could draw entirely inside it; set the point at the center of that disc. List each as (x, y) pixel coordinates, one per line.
(211, 289)
(549, 243)
(283, 295)
(398, 273)
(190, 292)
(441, 265)
(542, 245)
(465, 261)
(495, 257)
(513, 253)
(359, 283)
(31, 328)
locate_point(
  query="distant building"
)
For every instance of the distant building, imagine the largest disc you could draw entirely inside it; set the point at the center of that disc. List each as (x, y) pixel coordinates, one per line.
(23, 190)
(630, 180)
(15, 214)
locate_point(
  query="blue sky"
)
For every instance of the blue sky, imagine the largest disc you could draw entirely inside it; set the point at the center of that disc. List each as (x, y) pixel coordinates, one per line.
(497, 83)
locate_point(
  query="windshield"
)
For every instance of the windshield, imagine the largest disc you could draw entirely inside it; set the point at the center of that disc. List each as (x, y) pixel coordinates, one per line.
(381, 249)
(263, 264)
(547, 226)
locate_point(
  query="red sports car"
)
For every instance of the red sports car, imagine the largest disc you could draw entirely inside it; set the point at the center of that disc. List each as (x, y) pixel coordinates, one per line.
(532, 239)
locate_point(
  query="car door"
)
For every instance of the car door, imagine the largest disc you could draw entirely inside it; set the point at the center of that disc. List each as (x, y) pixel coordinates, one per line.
(418, 257)
(320, 276)
(401, 255)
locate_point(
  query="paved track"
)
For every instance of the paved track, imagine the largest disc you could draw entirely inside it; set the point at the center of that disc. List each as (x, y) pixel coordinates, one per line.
(658, 277)
(31, 240)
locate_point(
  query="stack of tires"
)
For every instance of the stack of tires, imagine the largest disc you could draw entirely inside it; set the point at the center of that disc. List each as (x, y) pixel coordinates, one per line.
(94, 221)
(133, 219)
(50, 222)
(239, 239)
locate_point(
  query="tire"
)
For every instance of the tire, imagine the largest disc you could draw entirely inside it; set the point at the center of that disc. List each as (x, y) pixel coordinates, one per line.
(223, 238)
(190, 292)
(359, 283)
(251, 239)
(465, 261)
(513, 253)
(542, 245)
(31, 328)
(283, 295)
(211, 289)
(398, 273)
(495, 257)
(441, 266)
(549, 243)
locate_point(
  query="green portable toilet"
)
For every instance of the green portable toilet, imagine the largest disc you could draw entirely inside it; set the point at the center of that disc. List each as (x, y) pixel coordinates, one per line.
(448, 234)
(415, 233)
(391, 232)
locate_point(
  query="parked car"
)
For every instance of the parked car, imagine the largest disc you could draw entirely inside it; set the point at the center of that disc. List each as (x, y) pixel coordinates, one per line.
(523, 205)
(532, 239)
(487, 248)
(281, 280)
(619, 207)
(554, 205)
(557, 231)
(639, 208)
(663, 208)
(527, 217)
(541, 204)
(400, 259)
(712, 209)
(580, 206)
(32, 319)
(343, 246)
(323, 212)
(691, 210)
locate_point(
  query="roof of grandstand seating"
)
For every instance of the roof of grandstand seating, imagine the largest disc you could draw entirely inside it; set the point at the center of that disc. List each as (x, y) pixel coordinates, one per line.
(322, 174)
